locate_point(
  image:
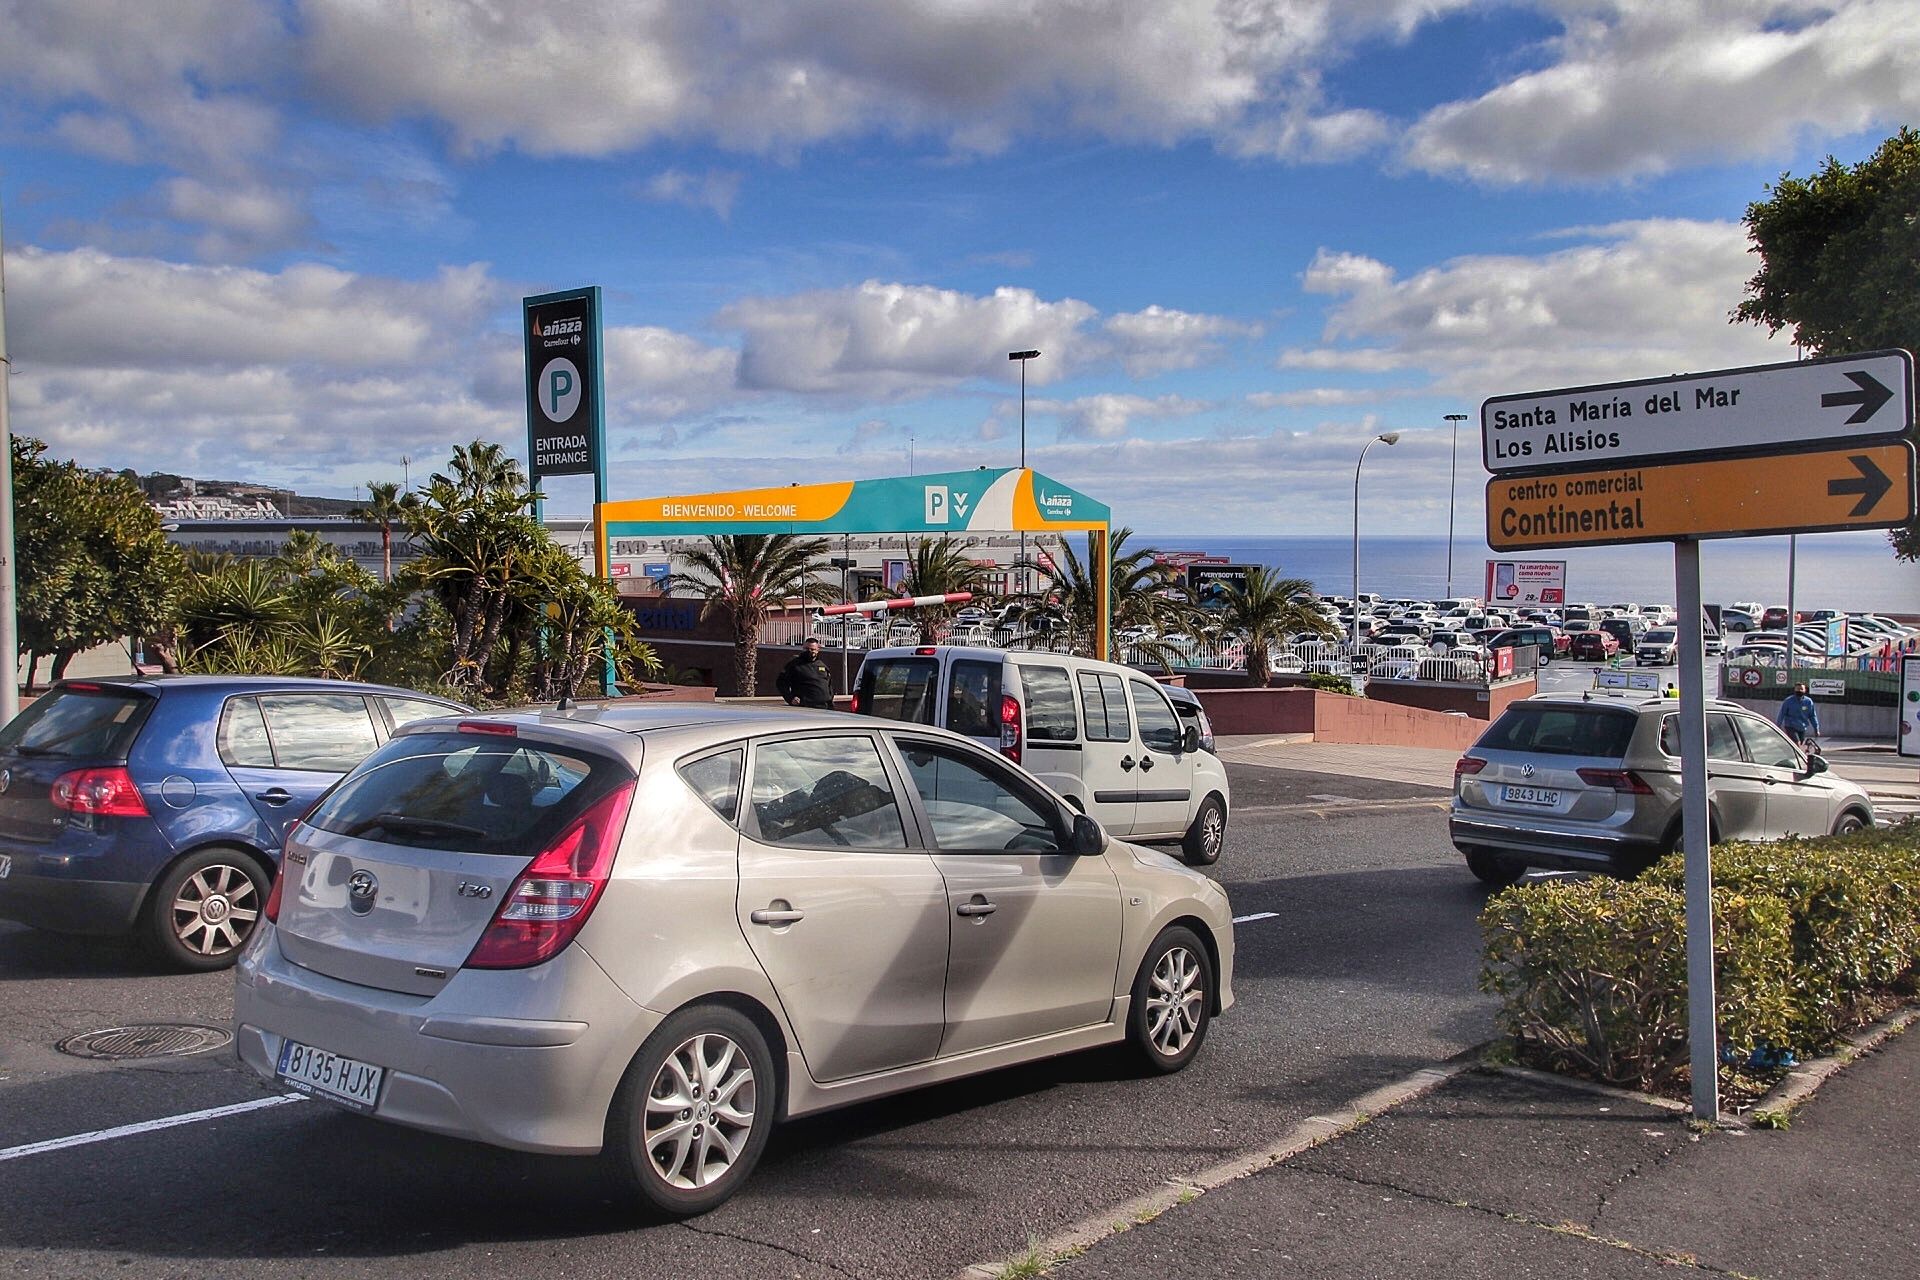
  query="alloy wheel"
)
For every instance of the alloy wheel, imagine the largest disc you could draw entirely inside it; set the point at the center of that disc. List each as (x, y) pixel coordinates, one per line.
(215, 909)
(1175, 1001)
(699, 1111)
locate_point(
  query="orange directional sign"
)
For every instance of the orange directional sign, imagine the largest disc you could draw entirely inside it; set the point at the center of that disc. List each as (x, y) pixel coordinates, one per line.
(1863, 487)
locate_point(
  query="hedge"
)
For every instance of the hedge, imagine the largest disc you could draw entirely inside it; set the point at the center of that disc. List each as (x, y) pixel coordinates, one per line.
(1810, 935)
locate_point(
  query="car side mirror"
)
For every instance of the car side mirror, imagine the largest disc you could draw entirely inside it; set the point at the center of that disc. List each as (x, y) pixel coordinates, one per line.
(1087, 837)
(1190, 740)
(1816, 764)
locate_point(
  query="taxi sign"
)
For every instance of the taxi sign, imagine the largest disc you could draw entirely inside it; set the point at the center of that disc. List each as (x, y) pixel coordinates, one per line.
(1868, 487)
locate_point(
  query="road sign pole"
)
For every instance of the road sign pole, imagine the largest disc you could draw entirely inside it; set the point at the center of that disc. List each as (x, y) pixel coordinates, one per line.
(1702, 1022)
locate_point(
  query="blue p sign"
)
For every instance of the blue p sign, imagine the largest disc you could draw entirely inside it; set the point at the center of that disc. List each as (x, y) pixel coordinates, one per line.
(559, 390)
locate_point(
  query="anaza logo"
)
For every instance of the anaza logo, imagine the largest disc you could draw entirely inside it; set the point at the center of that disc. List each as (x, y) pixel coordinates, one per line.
(561, 328)
(1058, 503)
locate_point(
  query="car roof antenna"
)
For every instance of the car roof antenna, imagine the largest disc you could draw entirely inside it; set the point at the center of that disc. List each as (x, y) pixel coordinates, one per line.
(566, 701)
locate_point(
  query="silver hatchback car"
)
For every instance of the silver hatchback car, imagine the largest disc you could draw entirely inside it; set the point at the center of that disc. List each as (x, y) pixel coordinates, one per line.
(656, 931)
(1592, 783)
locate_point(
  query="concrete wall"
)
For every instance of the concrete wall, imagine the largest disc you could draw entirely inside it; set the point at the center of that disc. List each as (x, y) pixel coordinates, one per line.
(1481, 703)
(1336, 717)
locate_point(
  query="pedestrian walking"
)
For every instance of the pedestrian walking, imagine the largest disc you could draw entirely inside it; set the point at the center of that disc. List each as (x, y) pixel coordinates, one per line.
(1798, 717)
(805, 681)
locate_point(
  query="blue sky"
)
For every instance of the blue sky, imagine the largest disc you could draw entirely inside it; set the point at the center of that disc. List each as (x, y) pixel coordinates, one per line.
(285, 240)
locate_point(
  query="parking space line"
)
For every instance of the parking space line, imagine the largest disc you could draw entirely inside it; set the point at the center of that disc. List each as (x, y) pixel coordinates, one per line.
(1258, 915)
(144, 1126)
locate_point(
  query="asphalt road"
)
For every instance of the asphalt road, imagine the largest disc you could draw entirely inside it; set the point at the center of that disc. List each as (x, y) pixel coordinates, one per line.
(1364, 972)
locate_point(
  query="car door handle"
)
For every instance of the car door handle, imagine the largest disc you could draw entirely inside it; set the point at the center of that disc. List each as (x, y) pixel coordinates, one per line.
(275, 796)
(1126, 762)
(774, 917)
(978, 908)
(1146, 762)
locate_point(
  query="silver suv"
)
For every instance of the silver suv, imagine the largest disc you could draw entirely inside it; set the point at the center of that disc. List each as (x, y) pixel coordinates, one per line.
(1587, 783)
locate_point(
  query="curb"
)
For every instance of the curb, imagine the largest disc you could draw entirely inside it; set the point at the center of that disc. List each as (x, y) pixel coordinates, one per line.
(1076, 1239)
(1773, 1107)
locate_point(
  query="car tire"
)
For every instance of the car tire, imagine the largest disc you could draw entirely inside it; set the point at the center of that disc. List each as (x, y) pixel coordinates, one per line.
(203, 910)
(681, 1160)
(1173, 999)
(1489, 869)
(1208, 834)
(1848, 823)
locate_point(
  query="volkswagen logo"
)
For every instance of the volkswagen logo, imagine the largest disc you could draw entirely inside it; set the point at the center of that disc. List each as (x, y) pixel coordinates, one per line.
(1526, 771)
(6, 780)
(361, 888)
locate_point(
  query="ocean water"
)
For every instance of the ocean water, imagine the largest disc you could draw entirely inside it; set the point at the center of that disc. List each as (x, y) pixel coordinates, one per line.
(1855, 572)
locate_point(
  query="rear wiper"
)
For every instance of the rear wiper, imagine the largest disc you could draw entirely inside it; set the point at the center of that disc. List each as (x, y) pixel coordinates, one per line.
(416, 826)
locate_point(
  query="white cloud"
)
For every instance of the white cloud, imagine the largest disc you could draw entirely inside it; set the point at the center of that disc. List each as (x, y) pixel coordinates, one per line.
(1108, 416)
(715, 190)
(1636, 300)
(1317, 398)
(1639, 87)
(1160, 339)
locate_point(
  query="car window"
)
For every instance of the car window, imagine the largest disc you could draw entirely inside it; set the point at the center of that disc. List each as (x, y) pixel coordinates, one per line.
(1561, 731)
(974, 806)
(973, 697)
(716, 780)
(407, 710)
(1050, 715)
(325, 732)
(242, 737)
(465, 792)
(1104, 704)
(97, 722)
(1768, 746)
(900, 689)
(825, 793)
(1159, 727)
(1722, 742)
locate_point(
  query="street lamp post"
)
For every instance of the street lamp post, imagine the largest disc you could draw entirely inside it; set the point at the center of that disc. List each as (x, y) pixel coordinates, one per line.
(1023, 357)
(1453, 470)
(1387, 438)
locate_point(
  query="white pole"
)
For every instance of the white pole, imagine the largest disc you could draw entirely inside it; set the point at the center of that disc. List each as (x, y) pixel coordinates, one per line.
(9, 630)
(1793, 556)
(1702, 1023)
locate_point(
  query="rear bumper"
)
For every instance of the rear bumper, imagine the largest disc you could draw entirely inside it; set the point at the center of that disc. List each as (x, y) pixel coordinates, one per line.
(1553, 850)
(55, 902)
(526, 1059)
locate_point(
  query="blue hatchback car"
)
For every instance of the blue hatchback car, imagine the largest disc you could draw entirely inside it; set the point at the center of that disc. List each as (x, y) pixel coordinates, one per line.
(158, 805)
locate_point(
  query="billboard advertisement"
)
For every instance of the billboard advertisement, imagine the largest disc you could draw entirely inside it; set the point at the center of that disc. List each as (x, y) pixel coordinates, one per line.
(1527, 582)
(1910, 705)
(1209, 584)
(564, 409)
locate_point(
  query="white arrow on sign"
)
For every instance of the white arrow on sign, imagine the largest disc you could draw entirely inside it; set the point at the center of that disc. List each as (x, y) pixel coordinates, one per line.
(1840, 399)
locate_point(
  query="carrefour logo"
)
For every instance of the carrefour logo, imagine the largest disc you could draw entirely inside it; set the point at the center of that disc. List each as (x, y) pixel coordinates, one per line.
(1056, 504)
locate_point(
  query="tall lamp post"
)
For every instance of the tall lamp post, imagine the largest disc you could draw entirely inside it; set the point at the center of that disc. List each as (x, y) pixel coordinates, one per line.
(1023, 357)
(1453, 470)
(1387, 438)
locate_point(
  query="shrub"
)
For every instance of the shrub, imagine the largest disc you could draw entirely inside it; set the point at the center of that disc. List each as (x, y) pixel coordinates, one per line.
(1808, 935)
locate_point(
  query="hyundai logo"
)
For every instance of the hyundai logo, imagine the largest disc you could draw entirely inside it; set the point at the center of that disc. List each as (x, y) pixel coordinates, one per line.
(361, 888)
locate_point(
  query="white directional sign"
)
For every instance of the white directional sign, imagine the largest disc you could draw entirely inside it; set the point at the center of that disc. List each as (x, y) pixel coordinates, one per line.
(1771, 407)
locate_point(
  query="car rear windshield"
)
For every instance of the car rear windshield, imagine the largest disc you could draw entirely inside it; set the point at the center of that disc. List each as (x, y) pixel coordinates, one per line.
(467, 793)
(97, 722)
(1561, 731)
(900, 689)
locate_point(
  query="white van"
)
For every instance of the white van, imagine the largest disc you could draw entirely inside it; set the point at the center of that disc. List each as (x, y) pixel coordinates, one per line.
(1102, 735)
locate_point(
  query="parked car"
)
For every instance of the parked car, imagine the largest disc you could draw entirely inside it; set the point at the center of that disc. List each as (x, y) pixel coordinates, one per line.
(1659, 647)
(654, 931)
(1774, 618)
(1732, 619)
(1561, 781)
(1102, 735)
(1541, 638)
(157, 805)
(1592, 646)
(1626, 631)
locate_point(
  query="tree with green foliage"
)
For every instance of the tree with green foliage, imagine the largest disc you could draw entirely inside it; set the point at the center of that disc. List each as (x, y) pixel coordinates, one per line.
(1142, 593)
(386, 506)
(477, 542)
(746, 576)
(1840, 262)
(937, 567)
(1264, 613)
(92, 564)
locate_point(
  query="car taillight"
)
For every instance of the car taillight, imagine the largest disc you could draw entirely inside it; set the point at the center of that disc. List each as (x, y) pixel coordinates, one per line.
(1623, 780)
(1010, 727)
(853, 702)
(553, 897)
(273, 895)
(1468, 764)
(105, 793)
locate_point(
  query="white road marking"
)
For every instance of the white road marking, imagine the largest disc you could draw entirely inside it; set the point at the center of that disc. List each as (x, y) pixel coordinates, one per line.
(1258, 915)
(145, 1126)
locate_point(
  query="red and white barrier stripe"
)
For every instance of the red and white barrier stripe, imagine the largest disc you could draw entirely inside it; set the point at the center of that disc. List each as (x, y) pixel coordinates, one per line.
(901, 602)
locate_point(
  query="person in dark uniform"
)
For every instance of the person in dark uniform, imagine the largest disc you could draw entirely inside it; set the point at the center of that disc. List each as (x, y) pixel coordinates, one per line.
(805, 681)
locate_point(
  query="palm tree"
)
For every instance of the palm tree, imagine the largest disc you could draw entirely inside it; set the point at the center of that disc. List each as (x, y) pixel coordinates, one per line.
(477, 540)
(1141, 592)
(481, 468)
(385, 507)
(1264, 612)
(940, 566)
(746, 575)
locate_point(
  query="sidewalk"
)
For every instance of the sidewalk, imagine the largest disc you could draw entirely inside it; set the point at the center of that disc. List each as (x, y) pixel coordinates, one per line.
(1494, 1175)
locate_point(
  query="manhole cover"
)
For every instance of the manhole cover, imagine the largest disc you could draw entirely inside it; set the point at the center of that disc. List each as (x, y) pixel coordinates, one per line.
(155, 1040)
